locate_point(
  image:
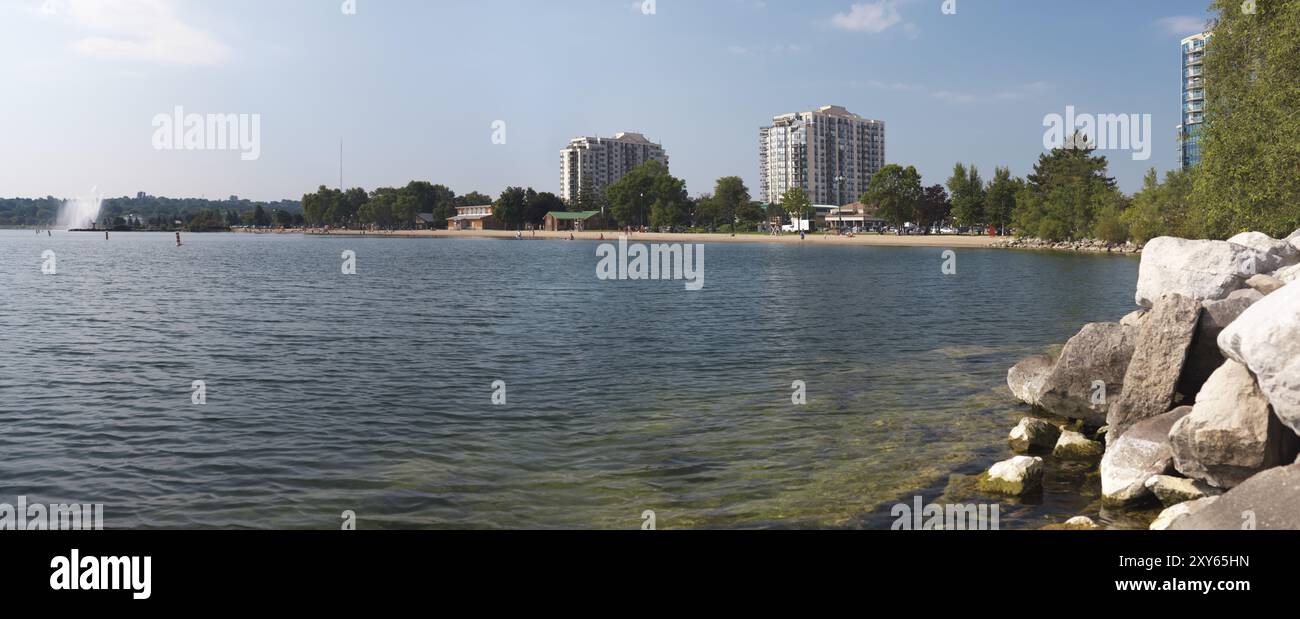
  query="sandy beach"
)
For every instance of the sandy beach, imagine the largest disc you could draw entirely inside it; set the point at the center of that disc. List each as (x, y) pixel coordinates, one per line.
(656, 237)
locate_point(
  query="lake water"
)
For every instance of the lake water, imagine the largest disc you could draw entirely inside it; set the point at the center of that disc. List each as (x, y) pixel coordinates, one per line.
(373, 392)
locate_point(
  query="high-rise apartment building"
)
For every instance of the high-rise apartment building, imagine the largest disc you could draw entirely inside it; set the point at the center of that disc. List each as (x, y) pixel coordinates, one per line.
(1193, 99)
(830, 152)
(602, 161)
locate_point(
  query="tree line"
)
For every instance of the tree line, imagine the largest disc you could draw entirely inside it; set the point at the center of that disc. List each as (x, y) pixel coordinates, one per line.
(148, 212)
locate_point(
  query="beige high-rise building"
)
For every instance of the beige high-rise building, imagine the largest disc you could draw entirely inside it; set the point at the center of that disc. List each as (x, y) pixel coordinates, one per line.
(830, 152)
(604, 161)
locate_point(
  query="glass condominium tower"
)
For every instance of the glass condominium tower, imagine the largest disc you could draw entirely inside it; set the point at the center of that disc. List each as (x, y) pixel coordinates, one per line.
(1189, 146)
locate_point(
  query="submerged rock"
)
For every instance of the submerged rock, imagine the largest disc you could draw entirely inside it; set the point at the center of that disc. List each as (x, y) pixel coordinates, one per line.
(1135, 456)
(1027, 377)
(1268, 500)
(1266, 339)
(1075, 446)
(1033, 435)
(1158, 358)
(1089, 370)
(1017, 476)
(1200, 270)
(1175, 513)
(1231, 433)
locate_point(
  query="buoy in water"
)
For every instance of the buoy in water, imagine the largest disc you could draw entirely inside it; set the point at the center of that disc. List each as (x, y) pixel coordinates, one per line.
(178, 239)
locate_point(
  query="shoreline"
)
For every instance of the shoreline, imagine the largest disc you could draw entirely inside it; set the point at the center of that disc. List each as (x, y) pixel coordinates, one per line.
(876, 240)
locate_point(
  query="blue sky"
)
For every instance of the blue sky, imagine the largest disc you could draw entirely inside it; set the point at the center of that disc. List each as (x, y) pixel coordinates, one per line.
(412, 87)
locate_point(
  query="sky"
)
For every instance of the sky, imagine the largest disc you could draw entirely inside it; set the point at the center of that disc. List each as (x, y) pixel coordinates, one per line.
(421, 89)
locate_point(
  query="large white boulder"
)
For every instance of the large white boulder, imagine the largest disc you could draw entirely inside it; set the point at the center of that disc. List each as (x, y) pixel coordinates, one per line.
(1288, 274)
(1033, 435)
(1201, 270)
(1274, 253)
(1266, 339)
(1266, 501)
(1177, 512)
(1231, 434)
(1157, 363)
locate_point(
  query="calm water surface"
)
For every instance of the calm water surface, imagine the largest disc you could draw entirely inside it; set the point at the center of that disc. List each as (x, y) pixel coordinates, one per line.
(372, 392)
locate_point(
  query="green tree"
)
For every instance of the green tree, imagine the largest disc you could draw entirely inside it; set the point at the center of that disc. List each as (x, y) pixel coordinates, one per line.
(731, 198)
(1063, 194)
(1164, 210)
(967, 195)
(1249, 158)
(796, 204)
(896, 192)
(1000, 198)
(933, 207)
(509, 209)
(261, 218)
(632, 196)
(380, 210)
(541, 204)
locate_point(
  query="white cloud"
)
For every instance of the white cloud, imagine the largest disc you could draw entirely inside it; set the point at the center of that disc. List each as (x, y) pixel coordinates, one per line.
(1182, 25)
(140, 31)
(871, 17)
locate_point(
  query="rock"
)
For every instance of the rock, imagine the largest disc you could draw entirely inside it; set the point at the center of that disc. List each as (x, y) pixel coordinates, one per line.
(1100, 353)
(1288, 274)
(1157, 364)
(1134, 319)
(1017, 476)
(1200, 270)
(1026, 378)
(1082, 523)
(1274, 253)
(1075, 446)
(1135, 456)
(1265, 284)
(1231, 433)
(1266, 339)
(1266, 501)
(1205, 356)
(1174, 490)
(1033, 435)
(1174, 513)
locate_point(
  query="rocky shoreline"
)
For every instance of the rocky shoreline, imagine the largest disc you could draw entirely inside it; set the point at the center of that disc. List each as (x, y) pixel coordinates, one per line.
(1191, 402)
(1092, 246)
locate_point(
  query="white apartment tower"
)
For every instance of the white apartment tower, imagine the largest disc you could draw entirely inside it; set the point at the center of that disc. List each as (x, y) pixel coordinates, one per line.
(604, 161)
(831, 153)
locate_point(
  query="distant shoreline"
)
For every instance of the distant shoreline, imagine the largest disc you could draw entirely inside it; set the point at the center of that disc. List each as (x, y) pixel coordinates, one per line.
(882, 240)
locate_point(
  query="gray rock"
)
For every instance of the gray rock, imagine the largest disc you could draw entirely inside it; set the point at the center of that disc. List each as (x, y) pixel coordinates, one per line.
(1200, 270)
(1017, 476)
(1100, 353)
(1231, 433)
(1175, 513)
(1133, 319)
(1274, 253)
(1135, 456)
(1033, 435)
(1205, 356)
(1265, 284)
(1157, 364)
(1268, 500)
(1027, 377)
(1174, 490)
(1075, 446)
(1266, 339)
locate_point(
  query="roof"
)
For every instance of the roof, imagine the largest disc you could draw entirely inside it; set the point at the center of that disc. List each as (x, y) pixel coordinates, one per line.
(425, 217)
(564, 215)
(469, 217)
